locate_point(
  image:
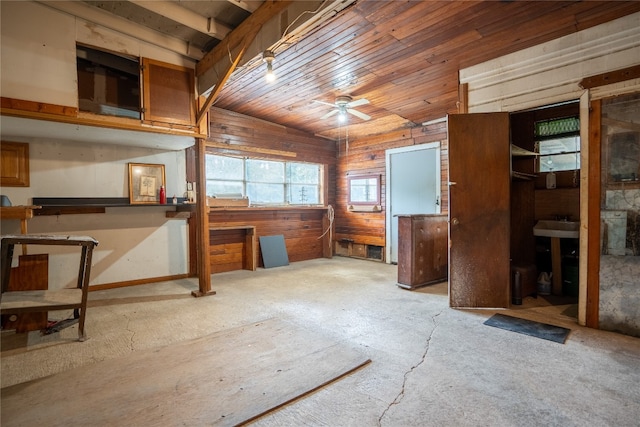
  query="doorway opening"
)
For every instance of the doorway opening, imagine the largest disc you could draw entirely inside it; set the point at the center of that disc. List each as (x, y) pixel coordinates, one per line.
(549, 198)
(413, 187)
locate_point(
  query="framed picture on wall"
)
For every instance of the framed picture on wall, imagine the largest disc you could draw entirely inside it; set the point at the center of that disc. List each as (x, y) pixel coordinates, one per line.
(145, 181)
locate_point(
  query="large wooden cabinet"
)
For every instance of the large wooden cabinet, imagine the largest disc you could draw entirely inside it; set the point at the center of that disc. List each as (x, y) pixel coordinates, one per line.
(422, 250)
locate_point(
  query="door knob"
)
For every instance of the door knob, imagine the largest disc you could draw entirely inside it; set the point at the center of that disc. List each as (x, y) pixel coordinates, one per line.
(454, 221)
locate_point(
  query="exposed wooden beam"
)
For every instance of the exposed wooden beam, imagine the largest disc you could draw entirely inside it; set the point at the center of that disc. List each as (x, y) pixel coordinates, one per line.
(122, 25)
(202, 113)
(184, 16)
(264, 13)
(243, 149)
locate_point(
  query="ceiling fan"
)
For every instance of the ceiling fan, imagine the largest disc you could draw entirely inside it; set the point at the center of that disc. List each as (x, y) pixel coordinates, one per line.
(344, 105)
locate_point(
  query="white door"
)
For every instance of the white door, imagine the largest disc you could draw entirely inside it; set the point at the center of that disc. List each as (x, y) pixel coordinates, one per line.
(413, 187)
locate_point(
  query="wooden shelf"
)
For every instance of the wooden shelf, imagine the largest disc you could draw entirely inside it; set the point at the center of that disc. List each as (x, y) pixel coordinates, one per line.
(18, 212)
(523, 175)
(87, 205)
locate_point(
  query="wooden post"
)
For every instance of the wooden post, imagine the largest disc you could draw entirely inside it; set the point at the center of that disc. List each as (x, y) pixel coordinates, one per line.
(327, 244)
(202, 218)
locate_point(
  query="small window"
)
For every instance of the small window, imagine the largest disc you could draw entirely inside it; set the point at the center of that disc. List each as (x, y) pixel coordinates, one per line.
(558, 143)
(364, 190)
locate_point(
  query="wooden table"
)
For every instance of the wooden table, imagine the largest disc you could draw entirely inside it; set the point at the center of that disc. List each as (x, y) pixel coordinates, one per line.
(34, 301)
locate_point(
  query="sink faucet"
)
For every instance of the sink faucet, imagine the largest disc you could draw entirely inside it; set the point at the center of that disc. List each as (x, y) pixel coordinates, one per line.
(563, 218)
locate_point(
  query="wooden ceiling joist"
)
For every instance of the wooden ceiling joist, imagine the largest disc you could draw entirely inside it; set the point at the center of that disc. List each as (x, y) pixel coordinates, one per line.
(202, 113)
(264, 13)
(186, 17)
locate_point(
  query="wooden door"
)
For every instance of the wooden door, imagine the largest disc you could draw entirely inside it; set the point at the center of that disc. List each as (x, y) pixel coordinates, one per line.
(479, 210)
(413, 187)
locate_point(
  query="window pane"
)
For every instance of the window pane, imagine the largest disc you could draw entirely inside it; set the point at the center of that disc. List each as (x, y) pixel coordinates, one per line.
(265, 193)
(363, 190)
(559, 154)
(221, 167)
(560, 162)
(303, 173)
(224, 187)
(557, 126)
(265, 171)
(263, 181)
(561, 145)
(303, 194)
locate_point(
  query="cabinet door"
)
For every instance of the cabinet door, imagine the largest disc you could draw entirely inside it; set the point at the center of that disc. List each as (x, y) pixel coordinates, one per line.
(169, 93)
(479, 210)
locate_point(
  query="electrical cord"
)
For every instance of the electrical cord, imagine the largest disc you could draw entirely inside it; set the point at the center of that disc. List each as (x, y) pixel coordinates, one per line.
(331, 215)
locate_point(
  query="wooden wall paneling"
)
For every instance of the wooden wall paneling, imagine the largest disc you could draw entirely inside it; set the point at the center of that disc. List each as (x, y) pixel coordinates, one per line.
(301, 229)
(367, 156)
(557, 202)
(227, 250)
(247, 136)
(241, 133)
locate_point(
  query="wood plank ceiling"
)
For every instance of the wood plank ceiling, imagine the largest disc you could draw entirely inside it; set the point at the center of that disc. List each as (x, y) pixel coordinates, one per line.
(402, 56)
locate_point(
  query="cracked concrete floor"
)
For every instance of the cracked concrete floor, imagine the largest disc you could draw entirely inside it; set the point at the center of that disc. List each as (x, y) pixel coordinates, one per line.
(431, 365)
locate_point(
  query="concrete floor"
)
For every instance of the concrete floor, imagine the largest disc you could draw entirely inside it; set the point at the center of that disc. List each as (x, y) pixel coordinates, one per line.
(431, 365)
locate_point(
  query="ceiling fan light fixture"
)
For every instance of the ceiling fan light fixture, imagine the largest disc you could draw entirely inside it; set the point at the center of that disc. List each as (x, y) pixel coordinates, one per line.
(269, 57)
(342, 116)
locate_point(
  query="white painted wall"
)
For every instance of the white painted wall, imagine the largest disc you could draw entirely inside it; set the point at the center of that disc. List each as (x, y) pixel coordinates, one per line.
(38, 51)
(134, 242)
(38, 63)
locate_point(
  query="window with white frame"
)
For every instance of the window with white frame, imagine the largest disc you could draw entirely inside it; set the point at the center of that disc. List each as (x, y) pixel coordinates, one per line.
(264, 182)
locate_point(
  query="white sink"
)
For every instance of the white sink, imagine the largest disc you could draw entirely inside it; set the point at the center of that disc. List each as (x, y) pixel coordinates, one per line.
(563, 229)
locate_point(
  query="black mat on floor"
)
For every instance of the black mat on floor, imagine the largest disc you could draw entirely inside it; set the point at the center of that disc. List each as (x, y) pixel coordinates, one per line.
(529, 327)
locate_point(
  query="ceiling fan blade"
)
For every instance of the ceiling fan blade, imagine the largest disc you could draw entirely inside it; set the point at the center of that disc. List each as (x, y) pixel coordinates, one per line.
(329, 114)
(358, 102)
(325, 103)
(357, 113)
